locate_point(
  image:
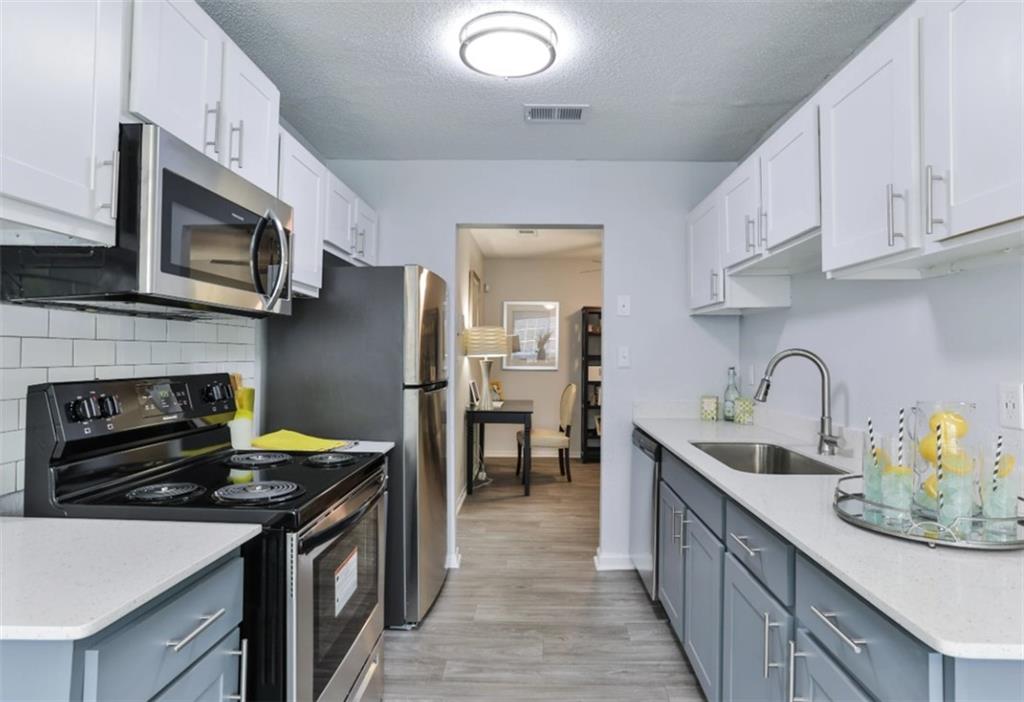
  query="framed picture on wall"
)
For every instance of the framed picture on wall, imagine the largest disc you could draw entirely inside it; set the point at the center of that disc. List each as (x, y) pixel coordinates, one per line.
(534, 326)
(474, 394)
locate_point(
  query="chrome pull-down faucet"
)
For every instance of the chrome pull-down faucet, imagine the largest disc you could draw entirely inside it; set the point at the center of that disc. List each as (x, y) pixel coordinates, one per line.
(828, 442)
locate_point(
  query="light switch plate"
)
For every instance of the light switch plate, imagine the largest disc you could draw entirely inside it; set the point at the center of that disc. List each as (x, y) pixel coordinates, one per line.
(622, 306)
(623, 357)
(1011, 405)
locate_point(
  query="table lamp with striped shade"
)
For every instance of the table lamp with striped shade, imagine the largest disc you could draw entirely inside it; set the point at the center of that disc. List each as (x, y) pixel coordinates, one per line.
(486, 343)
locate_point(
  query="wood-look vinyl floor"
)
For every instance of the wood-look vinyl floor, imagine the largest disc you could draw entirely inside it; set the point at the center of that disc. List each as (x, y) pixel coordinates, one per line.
(527, 617)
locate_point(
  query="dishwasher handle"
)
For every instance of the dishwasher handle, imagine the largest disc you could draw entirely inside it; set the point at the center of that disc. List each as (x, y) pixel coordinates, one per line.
(649, 446)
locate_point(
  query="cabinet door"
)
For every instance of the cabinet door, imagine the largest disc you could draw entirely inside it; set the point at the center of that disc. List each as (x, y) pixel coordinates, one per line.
(741, 205)
(818, 678)
(671, 513)
(213, 678)
(366, 233)
(251, 105)
(868, 173)
(176, 71)
(755, 635)
(790, 182)
(341, 222)
(61, 68)
(705, 262)
(972, 115)
(303, 185)
(702, 604)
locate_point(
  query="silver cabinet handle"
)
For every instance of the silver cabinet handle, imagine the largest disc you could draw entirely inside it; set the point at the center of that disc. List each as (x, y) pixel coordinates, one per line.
(675, 536)
(762, 224)
(793, 655)
(353, 238)
(240, 129)
(890, 215)
(115, 177)
(748, 240)
(929, 204)
(714, 284)
(768, 626)
(362, 242)
(742, 541)
(682, 522)
(827, 617)
(205, 623)
(243, 673)
(216, 112)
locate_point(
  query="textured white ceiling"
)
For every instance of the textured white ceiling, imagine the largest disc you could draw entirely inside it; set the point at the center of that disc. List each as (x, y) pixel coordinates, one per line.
(495, 242)
(670, 80)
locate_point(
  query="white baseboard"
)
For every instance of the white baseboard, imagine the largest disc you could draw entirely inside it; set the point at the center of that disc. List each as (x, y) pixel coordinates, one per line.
(454, 560)
(612, 561)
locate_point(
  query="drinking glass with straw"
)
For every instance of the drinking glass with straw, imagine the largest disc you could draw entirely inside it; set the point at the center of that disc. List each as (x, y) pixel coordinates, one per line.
(897, 481)
(954, 467)
(1000, 486)
(872, 469)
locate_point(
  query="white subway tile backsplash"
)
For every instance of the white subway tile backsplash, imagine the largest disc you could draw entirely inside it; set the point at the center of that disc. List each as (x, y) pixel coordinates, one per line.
(114, 326)
(151, 329)
(22, 320)
(181, 331)
(67, 375)
(94, 353)
(179, 368)
(227, 333)
(44, 353)
(12, 446)
(240, 352)
(206, 331)
(115, 372)
(8, 415)
(206, 367)
(14, 382)
(68, 324)
(166, 352)
(191, 353)
(132, 352)
(8, 477)
(150, 371)
(10, 352)
(19, 483)
(22, 413)
(216, 352)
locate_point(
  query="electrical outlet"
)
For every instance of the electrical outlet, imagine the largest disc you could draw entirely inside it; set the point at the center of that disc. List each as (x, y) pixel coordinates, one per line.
(623, 357)
(1011, 405)
(622, 306)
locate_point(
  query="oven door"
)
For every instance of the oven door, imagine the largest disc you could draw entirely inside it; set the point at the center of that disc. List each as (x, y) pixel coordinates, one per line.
(209, 236)
(336, 595)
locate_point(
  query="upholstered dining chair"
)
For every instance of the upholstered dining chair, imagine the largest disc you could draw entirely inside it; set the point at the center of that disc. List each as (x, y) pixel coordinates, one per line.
(550, 438)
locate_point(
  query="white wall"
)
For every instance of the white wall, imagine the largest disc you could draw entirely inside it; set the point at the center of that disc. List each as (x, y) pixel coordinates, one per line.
(541, 279)
(642, 206)
(892, 343)
(470, 258)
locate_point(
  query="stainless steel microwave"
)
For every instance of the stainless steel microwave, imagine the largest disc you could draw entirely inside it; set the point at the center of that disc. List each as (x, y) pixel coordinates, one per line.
(193, 238)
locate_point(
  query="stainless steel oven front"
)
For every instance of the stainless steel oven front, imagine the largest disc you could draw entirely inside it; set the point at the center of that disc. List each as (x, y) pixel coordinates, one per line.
(336, 595)
(207, 235)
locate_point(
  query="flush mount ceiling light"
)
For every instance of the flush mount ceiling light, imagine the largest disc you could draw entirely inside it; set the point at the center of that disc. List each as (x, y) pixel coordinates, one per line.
(508, 44)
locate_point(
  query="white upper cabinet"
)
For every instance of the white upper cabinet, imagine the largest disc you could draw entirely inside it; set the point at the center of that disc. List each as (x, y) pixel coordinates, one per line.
(365, 233)
(340, 237)
(251, 105)
(176, 71)
(972, 115)
(868, 156)
(790, 183)
(741, 206)
(703, 236)
(61, 68)
(303, 185)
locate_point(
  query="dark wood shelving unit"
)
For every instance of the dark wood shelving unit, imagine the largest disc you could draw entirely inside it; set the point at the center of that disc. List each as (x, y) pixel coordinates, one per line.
(590, 384)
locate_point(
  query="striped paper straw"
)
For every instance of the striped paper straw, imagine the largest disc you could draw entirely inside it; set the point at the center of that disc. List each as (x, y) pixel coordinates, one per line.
(871, 439)
(899, 441)
(995, 464)
(938, 460)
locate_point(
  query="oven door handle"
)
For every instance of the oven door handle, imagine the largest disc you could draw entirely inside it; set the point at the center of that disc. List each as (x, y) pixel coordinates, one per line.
(328, 530)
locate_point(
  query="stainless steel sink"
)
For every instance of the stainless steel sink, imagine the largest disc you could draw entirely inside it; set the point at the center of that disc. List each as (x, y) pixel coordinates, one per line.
(765, 458)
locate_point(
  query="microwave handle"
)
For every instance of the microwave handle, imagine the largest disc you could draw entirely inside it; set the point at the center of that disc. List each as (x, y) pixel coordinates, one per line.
(254, 247)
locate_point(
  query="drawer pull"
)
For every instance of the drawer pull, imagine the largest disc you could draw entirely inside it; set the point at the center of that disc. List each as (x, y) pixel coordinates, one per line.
(205, 624)
(827, 617)
(243, 673)
(768, 626)
(793, 655)
(742, 541)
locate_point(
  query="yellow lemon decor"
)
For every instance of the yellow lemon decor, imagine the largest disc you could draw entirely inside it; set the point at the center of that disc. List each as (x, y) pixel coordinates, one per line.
(931, 486)
(1006, 465)
(893, 469)
(953, 424)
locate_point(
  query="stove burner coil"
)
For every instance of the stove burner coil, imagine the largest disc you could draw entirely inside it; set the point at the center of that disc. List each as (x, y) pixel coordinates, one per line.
(257, 458)
(331, 460)
(165, 492)
(258, 493)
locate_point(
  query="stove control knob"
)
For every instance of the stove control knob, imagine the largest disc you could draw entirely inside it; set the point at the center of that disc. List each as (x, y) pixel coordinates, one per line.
(215, 392)
(84, 409)
(109, 406)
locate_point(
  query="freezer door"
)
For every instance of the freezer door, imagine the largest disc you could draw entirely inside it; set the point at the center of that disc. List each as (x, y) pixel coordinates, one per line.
(426, 314)
(426, 464)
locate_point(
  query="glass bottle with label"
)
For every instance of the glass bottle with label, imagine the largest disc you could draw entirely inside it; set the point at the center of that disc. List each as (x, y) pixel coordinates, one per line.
(731, 394)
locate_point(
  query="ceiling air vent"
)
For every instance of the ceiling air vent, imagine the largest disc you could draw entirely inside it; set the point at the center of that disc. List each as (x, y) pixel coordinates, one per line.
(568, 114)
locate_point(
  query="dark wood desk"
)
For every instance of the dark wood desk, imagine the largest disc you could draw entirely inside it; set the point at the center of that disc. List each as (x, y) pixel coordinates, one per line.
(510, 412)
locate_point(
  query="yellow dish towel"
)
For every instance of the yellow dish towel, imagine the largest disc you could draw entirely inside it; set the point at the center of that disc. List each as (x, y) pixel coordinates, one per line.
(287, 440)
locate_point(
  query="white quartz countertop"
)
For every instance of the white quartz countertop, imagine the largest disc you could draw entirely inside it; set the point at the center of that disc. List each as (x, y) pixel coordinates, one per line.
(965, 604)
(67, 579)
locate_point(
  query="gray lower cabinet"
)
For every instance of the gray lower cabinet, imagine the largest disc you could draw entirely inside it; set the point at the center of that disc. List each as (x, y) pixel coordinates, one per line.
(213, 678)
(817, 677)
(756, 630)
(702, 604)
(670, 556)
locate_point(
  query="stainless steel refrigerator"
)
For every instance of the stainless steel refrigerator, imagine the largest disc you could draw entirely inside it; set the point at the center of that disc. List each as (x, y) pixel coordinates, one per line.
(367, 360)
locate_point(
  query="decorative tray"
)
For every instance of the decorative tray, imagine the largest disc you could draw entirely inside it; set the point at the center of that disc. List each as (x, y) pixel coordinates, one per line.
(920, 524)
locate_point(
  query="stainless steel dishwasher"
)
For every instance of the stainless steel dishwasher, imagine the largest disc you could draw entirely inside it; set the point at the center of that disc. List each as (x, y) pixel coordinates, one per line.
(643, 512)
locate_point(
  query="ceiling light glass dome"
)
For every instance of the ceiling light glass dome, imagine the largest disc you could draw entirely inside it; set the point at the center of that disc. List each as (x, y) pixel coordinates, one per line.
(508, 44)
